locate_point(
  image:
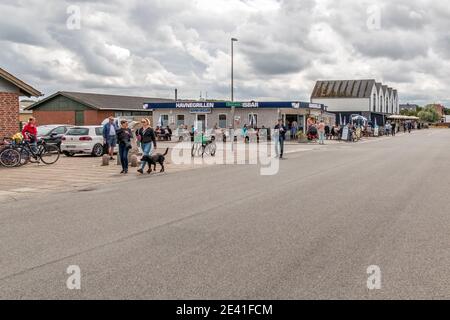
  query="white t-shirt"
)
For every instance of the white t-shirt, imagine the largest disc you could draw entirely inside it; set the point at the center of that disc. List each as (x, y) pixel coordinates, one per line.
(112, 130)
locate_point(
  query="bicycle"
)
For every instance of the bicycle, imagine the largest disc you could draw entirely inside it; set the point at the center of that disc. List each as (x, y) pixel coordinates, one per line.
(47, 153)
(9, 157)
(204, 146)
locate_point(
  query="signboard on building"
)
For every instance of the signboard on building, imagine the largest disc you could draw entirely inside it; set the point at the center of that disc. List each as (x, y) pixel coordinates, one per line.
(315, 106)
(234, 104)
(200, 110)
(194, 105)
(229, 105)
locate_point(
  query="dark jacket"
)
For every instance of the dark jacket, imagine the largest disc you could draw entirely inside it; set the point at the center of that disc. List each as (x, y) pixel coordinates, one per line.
(147, 136)
(282, 133)
(124, 136)
(106, 128)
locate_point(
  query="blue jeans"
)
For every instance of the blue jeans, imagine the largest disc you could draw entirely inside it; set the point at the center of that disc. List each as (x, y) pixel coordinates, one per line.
(123, 153)
(147, 149)
(321, 137)
(34, 147)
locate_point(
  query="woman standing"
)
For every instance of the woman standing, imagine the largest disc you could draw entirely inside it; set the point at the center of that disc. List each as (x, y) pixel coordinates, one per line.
(147, 138)
(124, 139)
(321, 130)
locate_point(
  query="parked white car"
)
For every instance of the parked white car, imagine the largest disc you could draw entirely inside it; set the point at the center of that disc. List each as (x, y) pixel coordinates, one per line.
(83, 140)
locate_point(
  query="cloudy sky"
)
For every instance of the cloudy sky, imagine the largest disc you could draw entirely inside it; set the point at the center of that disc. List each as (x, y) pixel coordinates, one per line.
(150, 47)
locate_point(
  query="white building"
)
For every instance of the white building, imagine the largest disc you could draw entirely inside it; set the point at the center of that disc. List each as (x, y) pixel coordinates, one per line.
(368, 98)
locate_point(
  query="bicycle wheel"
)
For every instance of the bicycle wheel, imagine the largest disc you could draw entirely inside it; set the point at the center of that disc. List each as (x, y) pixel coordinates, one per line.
(10, 158)
(210, 149)
(49, 154)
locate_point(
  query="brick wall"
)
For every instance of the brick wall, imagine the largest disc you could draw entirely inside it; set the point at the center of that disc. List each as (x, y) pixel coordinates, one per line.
(9, 114)
(90, 117)
(102, 115)
(54, 117)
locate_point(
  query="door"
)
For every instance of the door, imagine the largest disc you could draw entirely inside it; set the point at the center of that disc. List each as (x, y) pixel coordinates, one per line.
(301, 123)
(79, 118)
(201, 122)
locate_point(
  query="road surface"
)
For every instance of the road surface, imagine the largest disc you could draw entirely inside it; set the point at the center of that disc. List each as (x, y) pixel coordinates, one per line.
(226, 232)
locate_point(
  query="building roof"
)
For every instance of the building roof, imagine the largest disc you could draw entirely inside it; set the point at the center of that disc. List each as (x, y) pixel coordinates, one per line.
(343, 89)
(379, 86)
(24, 88)
(390, 91)
(104, 101)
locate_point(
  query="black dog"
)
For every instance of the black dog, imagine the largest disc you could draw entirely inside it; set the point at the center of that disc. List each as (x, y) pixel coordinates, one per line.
(153, 160)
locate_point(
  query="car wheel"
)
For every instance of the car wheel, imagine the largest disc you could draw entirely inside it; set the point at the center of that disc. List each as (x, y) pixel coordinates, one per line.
(68, 154)
(98, 150)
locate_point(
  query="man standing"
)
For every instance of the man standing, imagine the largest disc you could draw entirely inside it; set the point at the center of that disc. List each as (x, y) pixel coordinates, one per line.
(110, 137)
(280, 130)
(394, 128)
(29, 133)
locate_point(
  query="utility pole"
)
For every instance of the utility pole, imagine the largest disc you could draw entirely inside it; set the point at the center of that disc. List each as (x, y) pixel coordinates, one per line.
(233, 109)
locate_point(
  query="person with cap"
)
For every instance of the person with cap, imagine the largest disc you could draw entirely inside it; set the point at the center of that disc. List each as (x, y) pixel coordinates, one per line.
(110, 136)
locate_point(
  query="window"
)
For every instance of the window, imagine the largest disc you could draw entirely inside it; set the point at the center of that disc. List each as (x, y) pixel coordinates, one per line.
(59, 130)
(78, 132)
(164, 120)
(141, 113)
(253, 120)
(222, 120)
(99, 131)
(118, 114)
(180, 120)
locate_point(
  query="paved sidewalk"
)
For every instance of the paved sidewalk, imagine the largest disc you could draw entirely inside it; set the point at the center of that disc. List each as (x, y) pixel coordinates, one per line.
(68, 174)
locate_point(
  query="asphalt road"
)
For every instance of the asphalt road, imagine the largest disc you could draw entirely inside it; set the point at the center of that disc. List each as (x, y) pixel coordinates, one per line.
(226, 232)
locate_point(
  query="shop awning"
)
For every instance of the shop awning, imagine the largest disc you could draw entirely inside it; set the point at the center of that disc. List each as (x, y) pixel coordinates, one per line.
(399, 117)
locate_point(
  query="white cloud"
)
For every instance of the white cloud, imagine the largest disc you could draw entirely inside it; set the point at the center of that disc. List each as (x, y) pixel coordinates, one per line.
(150, 47)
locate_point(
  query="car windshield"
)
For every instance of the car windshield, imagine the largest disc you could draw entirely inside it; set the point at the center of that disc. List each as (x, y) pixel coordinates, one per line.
(78, 132)
(44, 130)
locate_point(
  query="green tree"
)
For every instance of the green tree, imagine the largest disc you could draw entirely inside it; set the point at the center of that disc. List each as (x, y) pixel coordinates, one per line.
(429, 114)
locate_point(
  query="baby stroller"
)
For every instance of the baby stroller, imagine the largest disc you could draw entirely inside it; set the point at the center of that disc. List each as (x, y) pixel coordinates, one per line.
(312, 134)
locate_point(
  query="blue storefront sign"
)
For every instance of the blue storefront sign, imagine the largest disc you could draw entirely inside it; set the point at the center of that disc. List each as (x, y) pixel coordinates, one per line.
(238, 105)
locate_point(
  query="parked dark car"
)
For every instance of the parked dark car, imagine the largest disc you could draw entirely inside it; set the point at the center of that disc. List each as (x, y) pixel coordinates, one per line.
(52, 134)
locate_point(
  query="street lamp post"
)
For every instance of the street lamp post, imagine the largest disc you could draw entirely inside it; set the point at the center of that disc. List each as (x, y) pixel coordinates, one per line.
(233, 40)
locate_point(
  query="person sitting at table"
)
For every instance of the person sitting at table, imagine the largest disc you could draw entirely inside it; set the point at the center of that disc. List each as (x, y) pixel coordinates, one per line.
(168, 134)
